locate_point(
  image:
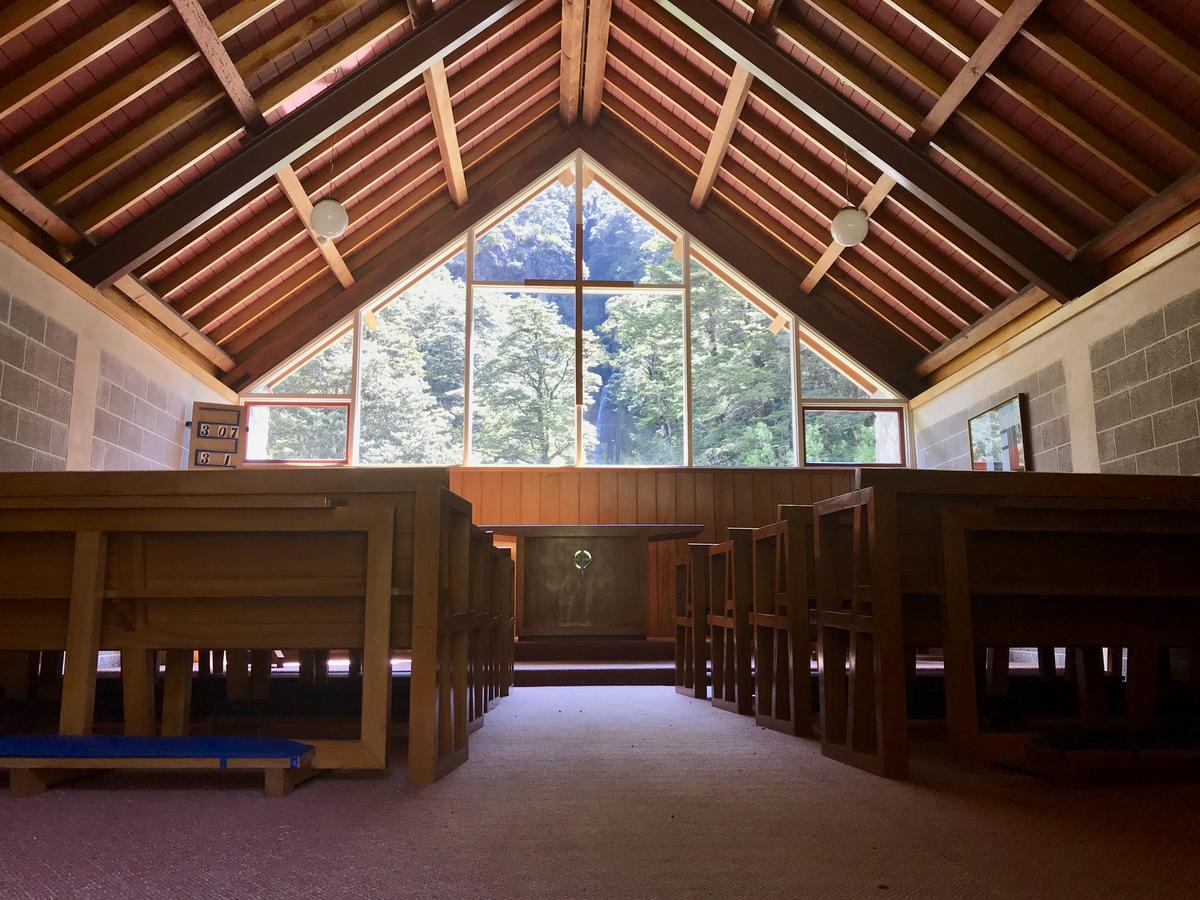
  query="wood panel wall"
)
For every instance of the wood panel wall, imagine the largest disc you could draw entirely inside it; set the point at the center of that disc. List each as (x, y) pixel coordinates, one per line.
(715, 498)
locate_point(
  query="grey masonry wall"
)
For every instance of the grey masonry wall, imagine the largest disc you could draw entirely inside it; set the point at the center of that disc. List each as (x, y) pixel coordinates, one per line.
(943, 445)
(1146, 384)
(37, 374)
(138, 424)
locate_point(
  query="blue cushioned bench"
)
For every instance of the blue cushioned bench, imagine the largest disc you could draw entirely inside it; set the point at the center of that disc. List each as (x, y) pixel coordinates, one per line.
(37, 761)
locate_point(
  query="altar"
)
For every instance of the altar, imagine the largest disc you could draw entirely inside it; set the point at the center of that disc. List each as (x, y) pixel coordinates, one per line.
(584, 580)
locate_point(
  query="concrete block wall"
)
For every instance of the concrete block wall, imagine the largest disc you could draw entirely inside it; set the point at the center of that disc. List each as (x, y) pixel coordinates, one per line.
(943, 445)
(37, 376)
(1146, 384)
(138, 424)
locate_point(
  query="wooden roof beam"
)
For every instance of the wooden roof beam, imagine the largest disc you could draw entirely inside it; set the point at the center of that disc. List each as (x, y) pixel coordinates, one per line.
(595, 59)
(994, 127)
(840, 319)
(18, 195)
(574, 21)
(1160, 38)
(114, 95)
(222, 66)
(969, 75)
(383, 76)
(230, 127)
(727, 119)
(38, 79)
(1035, 98)
(765, 12)
(23, 14)
(208, 42)
(437, 90)
(388, 267)
(447, 136)
(1166, 123)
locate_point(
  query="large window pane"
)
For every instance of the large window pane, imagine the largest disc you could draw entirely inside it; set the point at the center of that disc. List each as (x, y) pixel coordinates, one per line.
(634, 346)
(523, 379)
(535, 242)
(852, 436)
(311, 433)
(328, 372)
(819, 378)
(619, 245)
(412, 374)
(741, 379)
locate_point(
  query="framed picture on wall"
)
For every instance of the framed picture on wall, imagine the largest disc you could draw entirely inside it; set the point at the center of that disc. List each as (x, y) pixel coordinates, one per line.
(997, 438)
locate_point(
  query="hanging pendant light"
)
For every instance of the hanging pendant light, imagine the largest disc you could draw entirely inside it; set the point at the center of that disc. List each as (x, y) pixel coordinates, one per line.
(329, 218)
(849, 227)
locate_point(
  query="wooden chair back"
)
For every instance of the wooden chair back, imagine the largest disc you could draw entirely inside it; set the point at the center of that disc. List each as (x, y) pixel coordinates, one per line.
(782, 594)
(731, 636)
(691, 618)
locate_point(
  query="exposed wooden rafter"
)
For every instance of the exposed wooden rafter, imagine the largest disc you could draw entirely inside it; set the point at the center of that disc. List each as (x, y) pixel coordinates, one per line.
(222, 66)
(437, 90)
(289, 138)
(969, 75)
(765, 12)
(995, 231)
(574, 21)
(731, 110)
(595, 58)
(447, 136)
(17, 194)
(1035, 98)
(59, 66)
(22, 14)
(1164, 41)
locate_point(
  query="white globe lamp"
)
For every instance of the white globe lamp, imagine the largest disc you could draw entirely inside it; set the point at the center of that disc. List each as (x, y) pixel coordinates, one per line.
(329, 218)
(849, 226)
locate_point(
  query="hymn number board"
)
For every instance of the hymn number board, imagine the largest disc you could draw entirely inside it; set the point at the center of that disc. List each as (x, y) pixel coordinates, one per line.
(218, 436)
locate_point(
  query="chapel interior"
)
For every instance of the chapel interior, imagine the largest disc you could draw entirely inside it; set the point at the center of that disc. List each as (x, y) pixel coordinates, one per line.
(599, 448)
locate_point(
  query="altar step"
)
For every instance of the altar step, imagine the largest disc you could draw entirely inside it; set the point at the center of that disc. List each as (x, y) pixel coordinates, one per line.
(576, 673)
(594, 650)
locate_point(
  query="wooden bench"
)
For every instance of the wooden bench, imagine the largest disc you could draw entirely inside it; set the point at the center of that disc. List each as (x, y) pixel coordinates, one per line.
(147, 561)
(1123, 573)
(782, 588)
(35, 762)
(691, 617)
(731, 636)
(881, 586)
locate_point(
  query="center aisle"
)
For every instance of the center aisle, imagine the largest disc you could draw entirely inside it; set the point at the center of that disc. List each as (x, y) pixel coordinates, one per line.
(607, 792)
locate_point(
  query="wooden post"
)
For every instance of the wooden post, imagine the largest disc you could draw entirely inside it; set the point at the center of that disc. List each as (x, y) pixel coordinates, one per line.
(237, 674)
(83, 633)
(137, 689)
(260, 674)
(177, 694)
(423, 694)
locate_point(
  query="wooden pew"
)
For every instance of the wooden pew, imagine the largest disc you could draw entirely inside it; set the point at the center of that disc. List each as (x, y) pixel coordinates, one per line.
(731, 633)
(1122, 571)
(691, 617)
(249, 559)
(880, 586)
(782, 588)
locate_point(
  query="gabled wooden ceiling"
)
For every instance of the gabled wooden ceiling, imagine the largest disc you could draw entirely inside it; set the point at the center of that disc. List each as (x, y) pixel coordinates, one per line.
(1010, 152)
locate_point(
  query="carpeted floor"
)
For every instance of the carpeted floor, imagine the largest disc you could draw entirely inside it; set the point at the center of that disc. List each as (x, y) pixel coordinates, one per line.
(607, 792)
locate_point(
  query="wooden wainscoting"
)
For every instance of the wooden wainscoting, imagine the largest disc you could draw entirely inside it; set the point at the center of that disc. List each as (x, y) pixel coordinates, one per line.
(716, 498)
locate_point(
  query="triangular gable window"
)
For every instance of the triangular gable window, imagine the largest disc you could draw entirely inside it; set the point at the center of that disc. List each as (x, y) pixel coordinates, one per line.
(658, 353)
